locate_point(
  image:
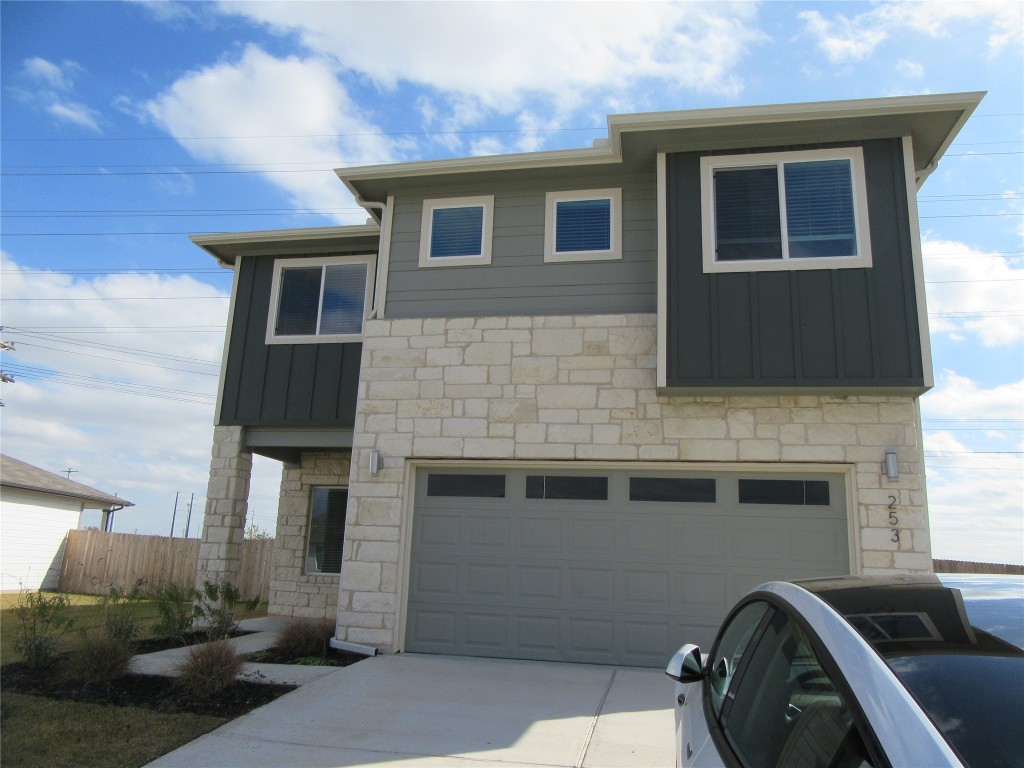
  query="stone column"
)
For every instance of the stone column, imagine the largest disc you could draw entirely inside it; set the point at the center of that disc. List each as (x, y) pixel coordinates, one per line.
(220, 552)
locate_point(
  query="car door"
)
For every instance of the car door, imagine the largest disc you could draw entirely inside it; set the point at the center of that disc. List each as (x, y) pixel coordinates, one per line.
(775, 704)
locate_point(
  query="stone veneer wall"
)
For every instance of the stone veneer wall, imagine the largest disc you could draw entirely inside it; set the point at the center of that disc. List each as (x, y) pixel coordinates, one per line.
(583, 388)
(293, 592)
(227, 493)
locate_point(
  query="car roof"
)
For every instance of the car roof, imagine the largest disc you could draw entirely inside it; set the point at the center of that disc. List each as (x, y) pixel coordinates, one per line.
(963, 613)
(955, 642)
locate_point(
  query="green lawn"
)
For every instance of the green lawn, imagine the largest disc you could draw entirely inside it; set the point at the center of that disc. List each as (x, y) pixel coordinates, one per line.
(36, 732)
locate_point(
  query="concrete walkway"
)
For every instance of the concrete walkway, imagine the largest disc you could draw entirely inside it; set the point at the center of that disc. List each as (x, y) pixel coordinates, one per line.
(263, 635)
(421, 711)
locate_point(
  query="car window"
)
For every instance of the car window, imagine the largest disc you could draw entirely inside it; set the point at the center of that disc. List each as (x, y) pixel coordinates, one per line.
(786, 709)
(732, 643)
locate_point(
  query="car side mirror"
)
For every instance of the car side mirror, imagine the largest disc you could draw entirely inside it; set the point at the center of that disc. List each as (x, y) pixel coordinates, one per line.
(685, 666)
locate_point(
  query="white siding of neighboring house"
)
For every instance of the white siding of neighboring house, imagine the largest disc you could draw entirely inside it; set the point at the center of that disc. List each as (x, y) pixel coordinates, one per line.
(33, 530)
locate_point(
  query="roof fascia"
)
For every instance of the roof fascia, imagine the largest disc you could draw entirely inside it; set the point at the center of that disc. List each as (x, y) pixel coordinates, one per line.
(224, 246)
(681, 120)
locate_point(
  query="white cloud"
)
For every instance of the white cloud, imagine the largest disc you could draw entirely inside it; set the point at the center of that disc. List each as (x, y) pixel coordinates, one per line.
(975, 470)
(909, 69)
(854, 38)
(76, 113)
(972, 293)
(58, 77)
(481, 58)
(144, 447)
(50, 84)
(275, 113)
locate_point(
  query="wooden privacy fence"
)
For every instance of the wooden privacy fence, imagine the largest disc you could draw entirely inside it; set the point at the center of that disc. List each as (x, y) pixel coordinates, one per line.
(95, 561)
(963, 566)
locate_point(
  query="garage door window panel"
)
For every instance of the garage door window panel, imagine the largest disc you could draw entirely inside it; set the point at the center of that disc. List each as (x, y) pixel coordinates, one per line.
(326, 530)
(466, 485)
(673, 489)
(574, 487)
(789, 492)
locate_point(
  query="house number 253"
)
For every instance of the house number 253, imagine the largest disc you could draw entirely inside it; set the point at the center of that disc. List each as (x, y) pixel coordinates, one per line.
(894, 520)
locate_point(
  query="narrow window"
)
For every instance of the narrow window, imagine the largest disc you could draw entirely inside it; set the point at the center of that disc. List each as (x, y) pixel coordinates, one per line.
(456, 231)
(583, 225)
(326, 530)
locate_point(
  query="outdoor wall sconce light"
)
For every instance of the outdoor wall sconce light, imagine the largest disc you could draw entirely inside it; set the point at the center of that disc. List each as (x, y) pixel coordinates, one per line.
(891, 467)
(376, 462)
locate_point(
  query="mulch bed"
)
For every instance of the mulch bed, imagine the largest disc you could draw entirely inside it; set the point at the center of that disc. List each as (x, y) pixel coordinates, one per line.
(334, 658)
(150, 691)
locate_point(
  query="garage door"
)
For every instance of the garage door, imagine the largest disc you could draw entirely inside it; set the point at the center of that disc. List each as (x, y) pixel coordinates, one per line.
(606, 567)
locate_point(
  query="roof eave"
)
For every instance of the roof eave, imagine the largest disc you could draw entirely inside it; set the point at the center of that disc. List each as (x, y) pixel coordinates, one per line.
(227, 246)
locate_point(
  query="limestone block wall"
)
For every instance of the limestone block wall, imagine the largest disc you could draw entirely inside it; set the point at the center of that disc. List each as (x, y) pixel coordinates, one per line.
(227, 494)
(583, 388)
(293, 592)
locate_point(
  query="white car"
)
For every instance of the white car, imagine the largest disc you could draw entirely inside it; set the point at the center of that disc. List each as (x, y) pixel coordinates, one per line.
(857, 671)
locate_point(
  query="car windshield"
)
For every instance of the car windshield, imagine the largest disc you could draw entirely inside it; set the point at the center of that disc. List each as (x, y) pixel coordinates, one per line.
(957, 644)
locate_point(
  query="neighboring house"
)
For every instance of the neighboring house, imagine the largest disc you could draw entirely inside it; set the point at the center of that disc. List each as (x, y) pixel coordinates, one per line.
(570, 405)
(37, 509)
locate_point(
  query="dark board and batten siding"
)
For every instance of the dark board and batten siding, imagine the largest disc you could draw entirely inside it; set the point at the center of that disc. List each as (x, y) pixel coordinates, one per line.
(296, 385)
(517, 281)
(846, 328)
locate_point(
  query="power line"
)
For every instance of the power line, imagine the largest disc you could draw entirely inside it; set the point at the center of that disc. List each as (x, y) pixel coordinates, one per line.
(133, 363)
(107, 347)
(119, 298)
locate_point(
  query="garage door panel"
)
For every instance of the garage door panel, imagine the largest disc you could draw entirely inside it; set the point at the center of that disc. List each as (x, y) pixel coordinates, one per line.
(435, 579)
(438, 531)
(539, 534)
(489, 531)
(487, 581)
(606, 582)
(591, 588)
(593, 536)
(539, 583)
(485, 631)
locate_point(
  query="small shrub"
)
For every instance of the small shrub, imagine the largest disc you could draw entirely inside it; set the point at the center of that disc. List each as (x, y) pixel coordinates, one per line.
(120, 621)
(218, 603)
(209, 669)
(178, 608)
(42, 621)
(305, 638)
(98, 659)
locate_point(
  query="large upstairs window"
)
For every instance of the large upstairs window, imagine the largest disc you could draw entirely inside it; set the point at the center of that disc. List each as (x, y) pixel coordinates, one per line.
(318, 300)
(789, 210)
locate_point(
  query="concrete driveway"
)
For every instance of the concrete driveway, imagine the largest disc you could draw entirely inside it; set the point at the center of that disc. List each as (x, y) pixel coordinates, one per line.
(416, 711)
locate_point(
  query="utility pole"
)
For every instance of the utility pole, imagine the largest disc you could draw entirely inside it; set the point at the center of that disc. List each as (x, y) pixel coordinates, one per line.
(69, 470)
(188, 520)
(174, 514)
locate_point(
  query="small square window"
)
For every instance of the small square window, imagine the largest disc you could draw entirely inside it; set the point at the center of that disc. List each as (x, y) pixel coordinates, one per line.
(315, 300)
(456, 231)
(326, 535)
(792, 210)
(583, 225)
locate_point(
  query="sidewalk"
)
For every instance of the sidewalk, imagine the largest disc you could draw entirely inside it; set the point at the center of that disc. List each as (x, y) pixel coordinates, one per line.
(264, 634)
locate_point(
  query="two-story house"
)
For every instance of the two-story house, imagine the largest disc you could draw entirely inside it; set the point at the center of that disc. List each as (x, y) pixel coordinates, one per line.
(569, 405)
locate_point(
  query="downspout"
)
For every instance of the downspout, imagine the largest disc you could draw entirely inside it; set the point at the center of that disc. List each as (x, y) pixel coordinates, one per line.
(382, 207)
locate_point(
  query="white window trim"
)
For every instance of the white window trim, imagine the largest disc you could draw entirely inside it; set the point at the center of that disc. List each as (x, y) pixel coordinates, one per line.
(551, 219)
(275, 294)
(710, 163)
(426, 225)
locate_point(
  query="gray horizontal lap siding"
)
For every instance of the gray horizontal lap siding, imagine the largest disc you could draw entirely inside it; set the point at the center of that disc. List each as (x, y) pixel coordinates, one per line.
(282, 384)
(517, 281)
(813, 328)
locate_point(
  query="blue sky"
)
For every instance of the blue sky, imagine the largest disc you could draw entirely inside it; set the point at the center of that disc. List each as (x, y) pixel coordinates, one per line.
(126, 126)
